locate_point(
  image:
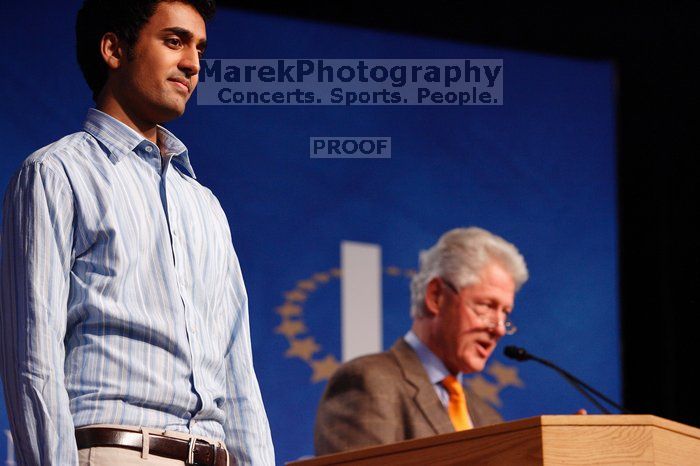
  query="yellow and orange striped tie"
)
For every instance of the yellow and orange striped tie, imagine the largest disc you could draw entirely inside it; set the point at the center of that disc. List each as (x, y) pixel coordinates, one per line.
(457, 407)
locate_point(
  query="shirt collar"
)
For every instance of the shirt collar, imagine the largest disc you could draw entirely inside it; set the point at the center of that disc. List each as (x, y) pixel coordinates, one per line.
(434, 367)
(119, 139)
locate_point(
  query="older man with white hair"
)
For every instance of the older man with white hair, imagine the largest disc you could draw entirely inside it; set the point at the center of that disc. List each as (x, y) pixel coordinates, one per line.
(461, 301)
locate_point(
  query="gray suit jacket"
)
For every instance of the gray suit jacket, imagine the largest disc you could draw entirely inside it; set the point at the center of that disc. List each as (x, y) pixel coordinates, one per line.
(385, 398)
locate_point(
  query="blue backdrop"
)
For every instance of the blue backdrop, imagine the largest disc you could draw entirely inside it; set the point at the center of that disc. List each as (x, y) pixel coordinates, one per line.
(538, 170)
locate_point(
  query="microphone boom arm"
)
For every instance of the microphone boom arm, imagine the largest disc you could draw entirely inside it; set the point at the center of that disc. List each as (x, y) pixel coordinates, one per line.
(577, 384)
(519, 354)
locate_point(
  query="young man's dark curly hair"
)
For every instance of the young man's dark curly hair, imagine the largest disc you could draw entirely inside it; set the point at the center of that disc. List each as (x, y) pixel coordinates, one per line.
(125, 18)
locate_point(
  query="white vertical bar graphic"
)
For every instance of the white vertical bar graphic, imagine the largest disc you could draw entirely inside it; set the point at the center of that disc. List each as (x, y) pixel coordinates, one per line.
(361, 299)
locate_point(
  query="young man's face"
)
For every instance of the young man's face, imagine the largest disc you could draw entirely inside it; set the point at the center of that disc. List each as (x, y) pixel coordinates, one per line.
(156, 83)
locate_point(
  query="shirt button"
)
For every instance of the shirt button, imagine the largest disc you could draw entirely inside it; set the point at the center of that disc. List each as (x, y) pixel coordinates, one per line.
(149, 149)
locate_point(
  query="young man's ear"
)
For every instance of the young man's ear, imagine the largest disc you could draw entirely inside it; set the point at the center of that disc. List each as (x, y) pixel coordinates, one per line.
(434, 296)
(112, 51)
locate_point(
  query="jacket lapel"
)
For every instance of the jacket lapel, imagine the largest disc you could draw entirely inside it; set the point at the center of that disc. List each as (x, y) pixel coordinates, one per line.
(481, 412)
(425, 397)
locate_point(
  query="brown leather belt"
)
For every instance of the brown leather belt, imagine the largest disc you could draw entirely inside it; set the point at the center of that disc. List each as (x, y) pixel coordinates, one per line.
(204, 453)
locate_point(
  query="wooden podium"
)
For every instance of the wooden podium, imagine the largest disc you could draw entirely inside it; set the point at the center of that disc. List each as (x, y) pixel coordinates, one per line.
(543, 440)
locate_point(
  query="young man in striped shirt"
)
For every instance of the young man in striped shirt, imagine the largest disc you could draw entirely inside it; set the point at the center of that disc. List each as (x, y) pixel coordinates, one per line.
(124, 317)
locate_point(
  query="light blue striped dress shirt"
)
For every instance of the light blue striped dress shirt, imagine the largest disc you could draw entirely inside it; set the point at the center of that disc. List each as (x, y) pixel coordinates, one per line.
(122, 300)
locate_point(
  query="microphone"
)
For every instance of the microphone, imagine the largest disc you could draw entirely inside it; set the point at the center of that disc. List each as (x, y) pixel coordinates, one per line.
(514, 352)
(520, 354)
